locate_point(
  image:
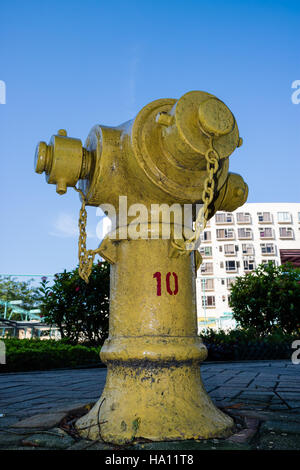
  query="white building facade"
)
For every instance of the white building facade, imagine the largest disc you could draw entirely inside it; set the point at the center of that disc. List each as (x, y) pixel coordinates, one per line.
(235, 243)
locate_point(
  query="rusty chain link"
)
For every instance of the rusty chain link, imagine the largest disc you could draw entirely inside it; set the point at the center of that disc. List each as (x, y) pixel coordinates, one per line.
(212, 165)
(86, 257)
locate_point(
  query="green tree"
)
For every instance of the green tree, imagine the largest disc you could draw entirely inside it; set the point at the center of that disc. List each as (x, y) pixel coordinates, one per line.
(267, 299)
(12, 289)
(80, 310)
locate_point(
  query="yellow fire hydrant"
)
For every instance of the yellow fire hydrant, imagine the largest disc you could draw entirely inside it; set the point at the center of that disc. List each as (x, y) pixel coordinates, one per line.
(173, 152)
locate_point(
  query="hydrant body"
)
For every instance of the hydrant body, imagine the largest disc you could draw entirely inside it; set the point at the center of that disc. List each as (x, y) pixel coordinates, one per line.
(153, 388)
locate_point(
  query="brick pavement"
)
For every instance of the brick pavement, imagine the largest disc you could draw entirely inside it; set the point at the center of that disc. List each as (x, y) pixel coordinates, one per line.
(243, 387)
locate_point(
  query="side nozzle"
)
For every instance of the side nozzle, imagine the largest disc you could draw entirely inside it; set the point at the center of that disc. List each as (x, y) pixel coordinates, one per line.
(233, 194)
(42, 158)
(64, 161)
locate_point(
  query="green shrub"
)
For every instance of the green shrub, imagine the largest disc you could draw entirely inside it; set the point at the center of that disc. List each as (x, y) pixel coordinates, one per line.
(268, 298)
(36, 354)
(78, 309)
(247, 344)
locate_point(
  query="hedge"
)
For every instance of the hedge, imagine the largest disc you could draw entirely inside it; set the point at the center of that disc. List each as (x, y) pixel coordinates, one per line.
(236, 345)
(35, 354)
(239, 345)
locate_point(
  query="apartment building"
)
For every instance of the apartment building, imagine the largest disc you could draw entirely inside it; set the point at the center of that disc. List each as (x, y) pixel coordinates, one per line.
(235, 243)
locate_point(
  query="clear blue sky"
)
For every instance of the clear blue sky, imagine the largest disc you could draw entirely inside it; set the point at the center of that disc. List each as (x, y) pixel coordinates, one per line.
(72, 64)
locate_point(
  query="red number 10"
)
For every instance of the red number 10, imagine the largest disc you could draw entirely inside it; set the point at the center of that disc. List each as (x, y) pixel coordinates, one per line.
(157, 275)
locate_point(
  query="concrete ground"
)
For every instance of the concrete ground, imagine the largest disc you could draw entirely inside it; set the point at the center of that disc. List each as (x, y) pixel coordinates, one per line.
(262, 396)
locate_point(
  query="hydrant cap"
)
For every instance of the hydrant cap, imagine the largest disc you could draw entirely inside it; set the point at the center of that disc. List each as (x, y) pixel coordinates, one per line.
(40, 157)
(199, 114)
(215, 117)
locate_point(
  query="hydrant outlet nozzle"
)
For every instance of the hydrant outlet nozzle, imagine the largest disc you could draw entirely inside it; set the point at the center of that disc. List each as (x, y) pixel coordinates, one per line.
(64, 161)
(42, 159)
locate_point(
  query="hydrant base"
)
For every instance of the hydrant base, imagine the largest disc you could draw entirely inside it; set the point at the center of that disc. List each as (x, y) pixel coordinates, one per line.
(158, 403)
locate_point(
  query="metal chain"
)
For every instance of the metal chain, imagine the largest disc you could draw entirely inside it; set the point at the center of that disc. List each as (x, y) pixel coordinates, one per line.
(86, 257)
(212, 165)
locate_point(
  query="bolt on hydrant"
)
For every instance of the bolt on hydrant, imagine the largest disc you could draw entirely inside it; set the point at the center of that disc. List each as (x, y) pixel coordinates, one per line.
(175, 152)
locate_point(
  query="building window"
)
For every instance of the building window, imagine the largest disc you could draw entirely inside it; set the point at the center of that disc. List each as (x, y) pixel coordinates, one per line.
(224, 218)
(247, 249)
(266, 261)
(207, 284)
(266, 232)
(243, 218)
(230, 281)
(229, 249)
(206, 251)
(245, 233)
(267, 248)
(249, 264)
(207, 268)
(225, 234)
(208, 301)
(205, 236)
(264, 217)
(284, 217)
(286, 232)
(231, 265)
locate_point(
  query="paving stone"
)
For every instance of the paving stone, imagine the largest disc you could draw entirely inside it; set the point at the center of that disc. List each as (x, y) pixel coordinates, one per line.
(80, 445)
(278, 442)
(260, 415)
(41, 421)
(8, 439)
(280, 407)
(255, 397)
(211, 444)
(281, 427)
(293, 404)
(101, 446)
(249, 383)
(26, 448)
(6, 421)
(243, 436)
(49, 441)
(74, 407)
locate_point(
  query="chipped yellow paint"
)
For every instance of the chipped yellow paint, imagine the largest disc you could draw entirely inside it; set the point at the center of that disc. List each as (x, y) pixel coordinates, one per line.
(153, 388)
